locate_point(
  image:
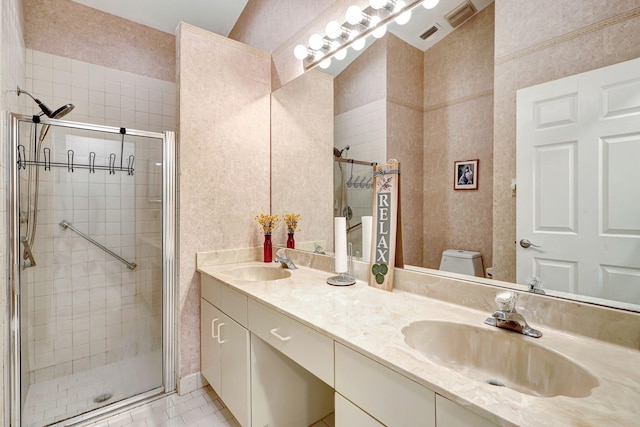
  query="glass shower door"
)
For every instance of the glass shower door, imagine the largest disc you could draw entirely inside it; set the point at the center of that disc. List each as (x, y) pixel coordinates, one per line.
(91, 268)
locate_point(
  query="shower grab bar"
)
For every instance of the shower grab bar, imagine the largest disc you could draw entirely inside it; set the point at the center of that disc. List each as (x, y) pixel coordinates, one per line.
(66, 224)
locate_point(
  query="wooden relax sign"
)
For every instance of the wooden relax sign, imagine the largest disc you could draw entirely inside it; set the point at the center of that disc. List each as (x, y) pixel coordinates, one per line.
(386, 247)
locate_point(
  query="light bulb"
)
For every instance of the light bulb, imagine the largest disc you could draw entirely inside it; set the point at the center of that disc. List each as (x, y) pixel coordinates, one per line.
(430, 4)
(403, 18)
(325, 64)
(400, 4)
(378, 4)
(334, 29)
(358, 44)
(341, 54)
(301, 52)
(316, 42)
(354, 15)
(378, 32)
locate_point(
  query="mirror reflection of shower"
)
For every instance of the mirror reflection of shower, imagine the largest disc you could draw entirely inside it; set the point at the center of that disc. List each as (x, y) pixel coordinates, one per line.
(29, 210)
(353, 194)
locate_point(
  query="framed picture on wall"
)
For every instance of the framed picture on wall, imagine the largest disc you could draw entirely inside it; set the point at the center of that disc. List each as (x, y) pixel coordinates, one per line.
(465, 175)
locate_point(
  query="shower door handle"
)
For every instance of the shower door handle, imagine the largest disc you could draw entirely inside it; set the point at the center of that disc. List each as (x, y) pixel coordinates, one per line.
(213, 328)
(220, 325)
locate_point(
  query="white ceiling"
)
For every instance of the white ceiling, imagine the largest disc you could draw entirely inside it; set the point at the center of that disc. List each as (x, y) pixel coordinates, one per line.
(217, 16)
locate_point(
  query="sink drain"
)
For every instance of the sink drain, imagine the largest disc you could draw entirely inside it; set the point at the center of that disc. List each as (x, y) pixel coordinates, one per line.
(102, 397)
(495, 383)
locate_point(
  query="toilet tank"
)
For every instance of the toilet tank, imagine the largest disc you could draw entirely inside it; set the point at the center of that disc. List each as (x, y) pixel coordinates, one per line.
(463, 262)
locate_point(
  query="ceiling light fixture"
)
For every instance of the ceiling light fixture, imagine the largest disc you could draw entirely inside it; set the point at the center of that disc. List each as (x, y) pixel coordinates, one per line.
(430, 4)
(360, 23)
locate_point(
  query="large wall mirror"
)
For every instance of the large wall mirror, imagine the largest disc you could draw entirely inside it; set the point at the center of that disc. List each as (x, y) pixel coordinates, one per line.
(427, 108)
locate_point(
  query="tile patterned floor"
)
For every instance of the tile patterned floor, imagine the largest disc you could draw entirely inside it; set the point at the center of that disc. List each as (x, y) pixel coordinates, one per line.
(200, 408)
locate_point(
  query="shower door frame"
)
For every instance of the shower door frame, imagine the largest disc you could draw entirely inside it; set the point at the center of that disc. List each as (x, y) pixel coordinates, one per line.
(12, 330)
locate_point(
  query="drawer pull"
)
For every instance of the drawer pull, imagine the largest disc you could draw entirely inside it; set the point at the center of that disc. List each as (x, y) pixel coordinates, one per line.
(220, 325)
(277, 335)
(213, 326)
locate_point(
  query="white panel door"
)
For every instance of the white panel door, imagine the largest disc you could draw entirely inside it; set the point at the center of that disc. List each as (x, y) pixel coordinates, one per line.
(578, 165)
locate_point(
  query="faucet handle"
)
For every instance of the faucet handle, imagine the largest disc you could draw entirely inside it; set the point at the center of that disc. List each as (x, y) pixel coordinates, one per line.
(281, 253)
(506, 300)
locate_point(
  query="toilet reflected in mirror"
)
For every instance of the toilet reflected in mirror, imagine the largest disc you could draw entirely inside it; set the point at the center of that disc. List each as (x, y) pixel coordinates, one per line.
(463, 262)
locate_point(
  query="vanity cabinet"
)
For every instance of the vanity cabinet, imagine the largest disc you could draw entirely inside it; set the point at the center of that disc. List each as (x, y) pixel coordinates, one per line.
(272, 370)
(225, 347)
(389, 397)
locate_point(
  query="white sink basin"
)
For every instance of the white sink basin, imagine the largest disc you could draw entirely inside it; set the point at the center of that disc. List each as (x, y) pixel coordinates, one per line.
(260, 273)
(500, 357)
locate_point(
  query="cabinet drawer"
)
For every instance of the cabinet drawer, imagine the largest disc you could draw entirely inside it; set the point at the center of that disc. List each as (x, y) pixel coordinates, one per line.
(388, 396)
(308, 348)
(210, 289)
(234, 304)
(227, 299)
(450, 414)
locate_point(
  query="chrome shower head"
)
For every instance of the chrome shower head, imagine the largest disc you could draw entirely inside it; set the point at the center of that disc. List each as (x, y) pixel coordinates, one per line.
(60, 112)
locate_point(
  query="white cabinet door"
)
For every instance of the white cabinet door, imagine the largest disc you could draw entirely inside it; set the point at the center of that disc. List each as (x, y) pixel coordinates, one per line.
(349, 415)
(210, 318)
(224, 360)
(235, 365)
(450, 414)
(578, 145)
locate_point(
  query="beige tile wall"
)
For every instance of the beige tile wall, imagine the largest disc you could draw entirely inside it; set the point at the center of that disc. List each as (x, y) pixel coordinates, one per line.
(223, 157)
(70, 29)
(260, 27)
(458, 125)
(535, 44)
(404, 83)
(364, 80)
(301, 170)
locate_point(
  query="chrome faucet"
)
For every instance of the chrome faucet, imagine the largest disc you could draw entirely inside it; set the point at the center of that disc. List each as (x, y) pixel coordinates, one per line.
(507, 317)
(281, 257)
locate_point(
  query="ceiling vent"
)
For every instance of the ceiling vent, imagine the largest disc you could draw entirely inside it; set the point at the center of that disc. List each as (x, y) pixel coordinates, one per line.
(461, 13)
(431, 31)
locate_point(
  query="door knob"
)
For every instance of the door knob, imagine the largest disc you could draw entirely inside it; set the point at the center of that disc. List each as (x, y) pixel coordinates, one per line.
(526, 244)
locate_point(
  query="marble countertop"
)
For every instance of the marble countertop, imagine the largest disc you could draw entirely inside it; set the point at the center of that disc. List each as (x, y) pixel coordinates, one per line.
(370, 321)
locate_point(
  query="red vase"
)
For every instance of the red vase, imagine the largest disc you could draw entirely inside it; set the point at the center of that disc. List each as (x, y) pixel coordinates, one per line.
(291, 243)
(267, 248)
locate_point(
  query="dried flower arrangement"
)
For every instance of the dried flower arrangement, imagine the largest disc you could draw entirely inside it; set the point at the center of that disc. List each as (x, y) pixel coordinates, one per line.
(267, 223)
(291, 220)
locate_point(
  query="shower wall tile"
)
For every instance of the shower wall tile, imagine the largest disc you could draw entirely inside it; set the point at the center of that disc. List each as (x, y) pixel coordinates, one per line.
(81, 296)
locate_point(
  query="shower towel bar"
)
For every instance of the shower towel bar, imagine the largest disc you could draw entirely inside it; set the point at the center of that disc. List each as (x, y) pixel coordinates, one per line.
(71, 165)
(66, 224)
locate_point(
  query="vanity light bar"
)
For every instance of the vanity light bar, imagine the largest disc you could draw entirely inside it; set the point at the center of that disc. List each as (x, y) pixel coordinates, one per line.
(348, 33)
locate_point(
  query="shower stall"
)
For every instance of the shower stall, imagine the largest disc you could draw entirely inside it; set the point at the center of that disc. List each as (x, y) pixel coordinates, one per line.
(91, 215)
